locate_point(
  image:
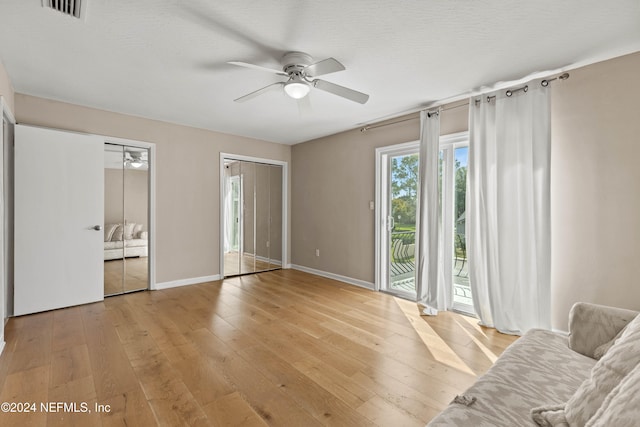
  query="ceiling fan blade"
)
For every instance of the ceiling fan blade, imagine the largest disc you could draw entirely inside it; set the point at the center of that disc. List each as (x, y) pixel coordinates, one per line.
(323, 67)
(345, 92)
(257, 67)
(258, 92)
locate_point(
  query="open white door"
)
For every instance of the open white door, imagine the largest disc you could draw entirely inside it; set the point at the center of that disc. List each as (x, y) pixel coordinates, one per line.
(59, 199)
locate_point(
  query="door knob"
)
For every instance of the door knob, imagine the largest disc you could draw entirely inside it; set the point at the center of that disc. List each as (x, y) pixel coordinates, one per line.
(97, 227)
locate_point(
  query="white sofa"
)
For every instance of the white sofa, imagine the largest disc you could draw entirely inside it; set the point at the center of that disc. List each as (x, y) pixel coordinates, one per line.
(545, 379)
(130, 236)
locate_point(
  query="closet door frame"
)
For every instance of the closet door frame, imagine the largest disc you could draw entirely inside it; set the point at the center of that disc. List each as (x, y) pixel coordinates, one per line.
(152, 199)
(6, 219)
(285, 203)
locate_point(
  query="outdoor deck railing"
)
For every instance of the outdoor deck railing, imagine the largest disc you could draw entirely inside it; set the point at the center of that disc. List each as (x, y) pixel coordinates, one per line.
(403, 244)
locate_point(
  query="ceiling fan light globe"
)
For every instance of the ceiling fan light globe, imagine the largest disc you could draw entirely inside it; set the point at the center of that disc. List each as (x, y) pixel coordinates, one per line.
(296, 90)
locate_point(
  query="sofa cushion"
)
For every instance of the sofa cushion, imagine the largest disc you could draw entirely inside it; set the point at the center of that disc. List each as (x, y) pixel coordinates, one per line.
(622, 406)
(537, 369)
(113, 245)
(591, 325)
(108, 231)
(616, 363)
(132, 243)
(603, 348)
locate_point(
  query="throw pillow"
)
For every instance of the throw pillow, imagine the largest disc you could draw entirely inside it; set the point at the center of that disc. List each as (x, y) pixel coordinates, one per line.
(108, 231)
(117, 233)
(621, 358)
(603, 348)
(128, 231)
(621, 408)
(549, 416)
(137, 230)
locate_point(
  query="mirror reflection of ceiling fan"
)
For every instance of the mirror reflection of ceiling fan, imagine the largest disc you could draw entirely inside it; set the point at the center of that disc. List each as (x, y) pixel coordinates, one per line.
(301, 73)
(136, 159)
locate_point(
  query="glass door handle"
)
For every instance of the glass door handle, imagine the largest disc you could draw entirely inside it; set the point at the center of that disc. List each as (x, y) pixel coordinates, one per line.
(391, 223)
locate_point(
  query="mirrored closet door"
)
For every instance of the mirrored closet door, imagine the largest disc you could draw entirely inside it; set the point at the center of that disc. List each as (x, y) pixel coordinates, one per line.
(253, 217)
(126, 219)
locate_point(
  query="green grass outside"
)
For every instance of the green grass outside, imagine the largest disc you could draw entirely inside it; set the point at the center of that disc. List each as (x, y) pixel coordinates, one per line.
(404, 227)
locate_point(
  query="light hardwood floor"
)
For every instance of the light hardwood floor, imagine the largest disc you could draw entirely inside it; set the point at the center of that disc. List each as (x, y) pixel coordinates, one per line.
(282, 348)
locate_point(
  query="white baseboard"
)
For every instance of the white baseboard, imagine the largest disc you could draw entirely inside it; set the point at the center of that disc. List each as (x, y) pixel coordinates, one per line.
(2, 344)
(349, 280)
(186, 282)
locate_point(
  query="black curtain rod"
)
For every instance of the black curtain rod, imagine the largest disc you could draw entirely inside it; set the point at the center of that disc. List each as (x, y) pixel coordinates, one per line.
(543, 83)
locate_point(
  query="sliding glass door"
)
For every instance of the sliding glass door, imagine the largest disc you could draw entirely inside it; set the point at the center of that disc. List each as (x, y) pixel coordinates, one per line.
(453, 190)
(397, 171)
(399, 203)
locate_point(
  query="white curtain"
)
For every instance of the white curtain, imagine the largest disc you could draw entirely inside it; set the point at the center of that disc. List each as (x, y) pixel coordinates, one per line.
(431, 283)
(509, 230)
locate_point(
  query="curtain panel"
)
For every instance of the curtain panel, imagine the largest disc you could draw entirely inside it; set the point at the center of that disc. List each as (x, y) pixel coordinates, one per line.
(432, 292)
(509, 231)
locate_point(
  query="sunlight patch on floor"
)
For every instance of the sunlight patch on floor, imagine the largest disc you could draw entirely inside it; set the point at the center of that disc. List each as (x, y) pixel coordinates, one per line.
(474, 322)
(437, 346)
(487, 352)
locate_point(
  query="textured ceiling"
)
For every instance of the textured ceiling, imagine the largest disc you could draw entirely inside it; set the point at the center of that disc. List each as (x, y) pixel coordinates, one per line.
(166, 59)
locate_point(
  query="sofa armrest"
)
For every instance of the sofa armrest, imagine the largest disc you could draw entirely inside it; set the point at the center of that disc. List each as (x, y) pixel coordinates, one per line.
(591, 325)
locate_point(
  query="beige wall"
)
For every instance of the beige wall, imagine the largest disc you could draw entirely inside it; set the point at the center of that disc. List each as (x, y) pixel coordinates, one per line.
(6, 88)
(187, 182)
(333, 180)
(595, 190)
(595, 187)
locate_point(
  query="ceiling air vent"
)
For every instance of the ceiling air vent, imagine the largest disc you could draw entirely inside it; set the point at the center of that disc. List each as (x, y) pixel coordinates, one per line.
(74, 8)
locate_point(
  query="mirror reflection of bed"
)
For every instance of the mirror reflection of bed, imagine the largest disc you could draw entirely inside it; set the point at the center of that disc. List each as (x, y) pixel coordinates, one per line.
(126, 234)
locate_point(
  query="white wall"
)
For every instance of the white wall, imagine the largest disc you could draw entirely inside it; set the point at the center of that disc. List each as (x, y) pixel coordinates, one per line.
(6, 88)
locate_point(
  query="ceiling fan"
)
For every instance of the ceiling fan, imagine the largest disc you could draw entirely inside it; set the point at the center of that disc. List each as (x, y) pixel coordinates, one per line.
(301, 74)
(136, 159)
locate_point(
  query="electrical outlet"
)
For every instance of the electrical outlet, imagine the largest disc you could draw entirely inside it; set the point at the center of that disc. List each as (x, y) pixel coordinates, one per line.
(372, 205)
(317, 252)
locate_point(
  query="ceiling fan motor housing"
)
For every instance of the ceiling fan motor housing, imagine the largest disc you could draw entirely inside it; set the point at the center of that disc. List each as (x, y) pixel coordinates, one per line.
(294, 62)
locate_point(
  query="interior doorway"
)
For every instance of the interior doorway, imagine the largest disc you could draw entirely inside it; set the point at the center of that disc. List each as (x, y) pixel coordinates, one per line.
(253, 215)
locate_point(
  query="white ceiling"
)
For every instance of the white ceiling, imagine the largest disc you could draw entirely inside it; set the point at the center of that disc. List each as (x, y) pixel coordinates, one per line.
(166, 59)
